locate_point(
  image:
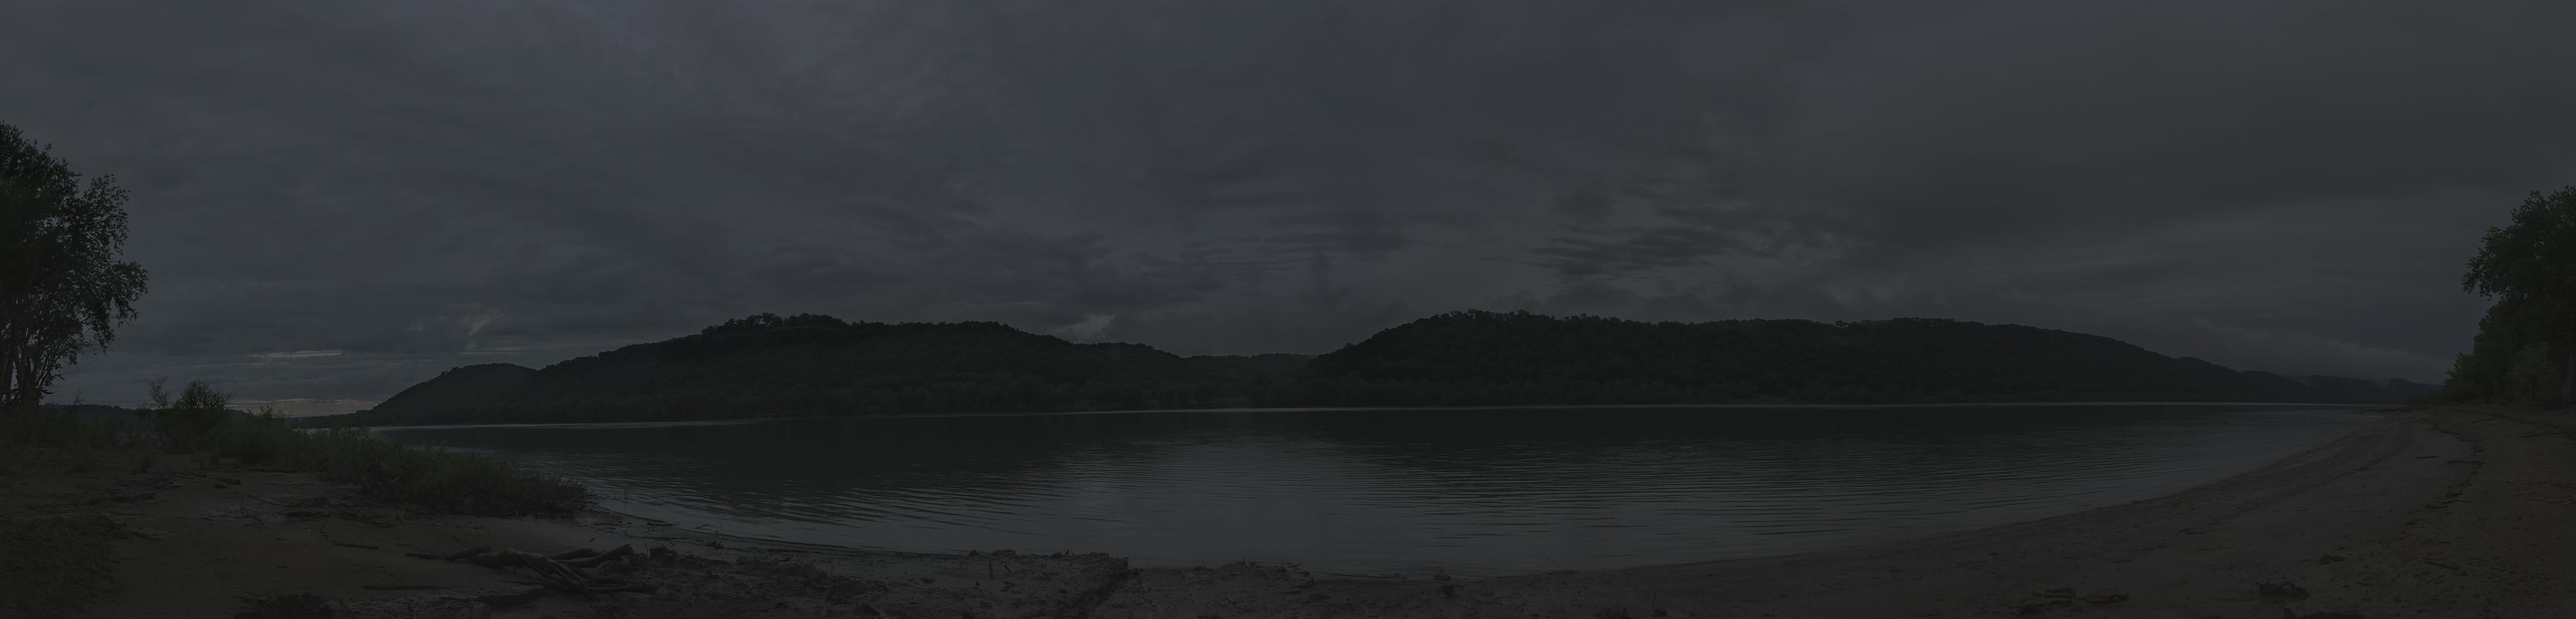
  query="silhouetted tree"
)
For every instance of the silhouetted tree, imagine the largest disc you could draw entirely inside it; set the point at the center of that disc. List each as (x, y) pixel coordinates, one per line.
(2529, 267)
(62, 289)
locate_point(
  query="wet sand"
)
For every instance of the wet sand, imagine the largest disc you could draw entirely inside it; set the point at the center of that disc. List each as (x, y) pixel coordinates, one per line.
(2435, 513)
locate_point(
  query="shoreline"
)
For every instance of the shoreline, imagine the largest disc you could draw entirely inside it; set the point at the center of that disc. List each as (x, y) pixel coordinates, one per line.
(2450, 512)
(2337, 444)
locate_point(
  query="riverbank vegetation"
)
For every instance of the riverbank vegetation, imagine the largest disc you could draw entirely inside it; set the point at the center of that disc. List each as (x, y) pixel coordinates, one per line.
(200, 422)
(2525, 349)
(425, 476)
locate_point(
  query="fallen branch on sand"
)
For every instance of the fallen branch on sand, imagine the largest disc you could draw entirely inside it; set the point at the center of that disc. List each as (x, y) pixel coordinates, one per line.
(451, 557)
(560, 571)
(620, 552)
(399, 587)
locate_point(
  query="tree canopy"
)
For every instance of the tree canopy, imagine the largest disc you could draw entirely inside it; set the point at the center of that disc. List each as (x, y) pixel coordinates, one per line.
(2526, 345)
(63, 290)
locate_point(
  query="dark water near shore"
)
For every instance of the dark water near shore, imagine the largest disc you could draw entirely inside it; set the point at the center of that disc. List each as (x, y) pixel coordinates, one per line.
(1472, 491)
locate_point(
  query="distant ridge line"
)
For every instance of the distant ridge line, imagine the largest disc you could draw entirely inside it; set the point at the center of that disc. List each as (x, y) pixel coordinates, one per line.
(768, 366)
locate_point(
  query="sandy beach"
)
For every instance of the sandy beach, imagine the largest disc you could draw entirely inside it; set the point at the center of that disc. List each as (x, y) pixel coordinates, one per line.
(2427, 513)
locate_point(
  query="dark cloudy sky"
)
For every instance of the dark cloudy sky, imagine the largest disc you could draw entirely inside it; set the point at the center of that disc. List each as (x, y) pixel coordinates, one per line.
(338, 199)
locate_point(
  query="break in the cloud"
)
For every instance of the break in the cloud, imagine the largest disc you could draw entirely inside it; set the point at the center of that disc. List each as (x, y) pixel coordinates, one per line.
(338, 199)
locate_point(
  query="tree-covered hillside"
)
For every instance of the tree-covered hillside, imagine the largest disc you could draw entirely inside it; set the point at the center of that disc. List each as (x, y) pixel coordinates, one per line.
(1489, 358)
(817, 365)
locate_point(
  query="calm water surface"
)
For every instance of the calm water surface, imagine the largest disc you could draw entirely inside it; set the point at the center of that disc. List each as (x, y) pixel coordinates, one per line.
(1376, 492)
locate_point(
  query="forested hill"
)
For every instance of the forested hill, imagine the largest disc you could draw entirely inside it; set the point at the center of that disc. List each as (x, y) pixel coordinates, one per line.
(473, 386)
(766, 366)
(816, 365)
(1488, 358)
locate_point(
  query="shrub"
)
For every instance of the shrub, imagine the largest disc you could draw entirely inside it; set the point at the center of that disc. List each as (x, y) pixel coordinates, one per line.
(199, 422)
(184, 423)
(252, 439)
(426, 476)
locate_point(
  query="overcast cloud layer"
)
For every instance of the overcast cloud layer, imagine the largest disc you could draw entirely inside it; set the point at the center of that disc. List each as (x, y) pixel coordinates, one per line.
(338, 200)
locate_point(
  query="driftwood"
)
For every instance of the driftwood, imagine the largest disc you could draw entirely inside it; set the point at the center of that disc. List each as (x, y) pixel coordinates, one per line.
(613, 554)
(564, 576)
(451, 556)
(399, 587)
(560, 572)
(364, 546)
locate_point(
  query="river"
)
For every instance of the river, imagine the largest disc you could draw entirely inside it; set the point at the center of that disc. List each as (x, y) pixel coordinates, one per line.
(1471, 492)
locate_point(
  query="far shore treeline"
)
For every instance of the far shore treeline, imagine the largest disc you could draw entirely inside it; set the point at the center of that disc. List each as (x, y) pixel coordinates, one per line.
(810, 365)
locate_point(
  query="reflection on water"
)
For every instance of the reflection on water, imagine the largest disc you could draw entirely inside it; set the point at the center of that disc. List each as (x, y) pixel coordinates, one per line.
(1474, 492)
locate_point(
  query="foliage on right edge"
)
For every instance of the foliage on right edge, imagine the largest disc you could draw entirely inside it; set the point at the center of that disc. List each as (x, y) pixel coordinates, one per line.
(2526, 346)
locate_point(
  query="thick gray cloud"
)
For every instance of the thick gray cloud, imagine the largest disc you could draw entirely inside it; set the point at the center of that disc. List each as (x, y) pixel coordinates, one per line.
(338, 199)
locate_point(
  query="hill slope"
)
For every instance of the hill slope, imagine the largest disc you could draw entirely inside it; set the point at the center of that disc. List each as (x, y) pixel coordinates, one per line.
(816, 365)
(1489, 358)
(469, 386)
